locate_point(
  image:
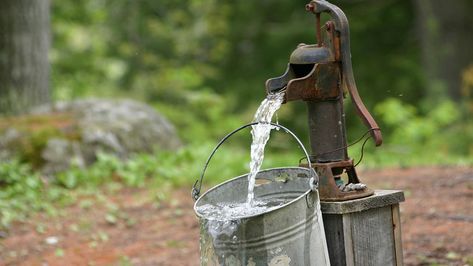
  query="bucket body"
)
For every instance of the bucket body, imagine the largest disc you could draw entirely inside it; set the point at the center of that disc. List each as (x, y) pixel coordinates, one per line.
(291, 234)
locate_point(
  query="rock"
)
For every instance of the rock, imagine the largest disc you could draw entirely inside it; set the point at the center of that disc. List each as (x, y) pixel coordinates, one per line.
(59, 154)
(120, 124)
(8, 136)
(52, 240)
(83, 128)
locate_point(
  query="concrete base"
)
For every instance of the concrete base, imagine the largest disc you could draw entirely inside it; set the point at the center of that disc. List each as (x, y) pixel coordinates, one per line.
(364, 231)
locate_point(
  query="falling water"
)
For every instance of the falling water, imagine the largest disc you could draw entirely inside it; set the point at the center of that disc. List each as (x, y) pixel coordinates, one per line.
(223, 219)
(260, 133)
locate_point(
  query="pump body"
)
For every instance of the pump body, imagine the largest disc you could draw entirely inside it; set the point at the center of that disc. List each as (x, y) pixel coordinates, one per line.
(321, 75)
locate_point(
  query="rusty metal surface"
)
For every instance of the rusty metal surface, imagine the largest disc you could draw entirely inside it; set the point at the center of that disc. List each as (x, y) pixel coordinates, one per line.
(319, 31)
(320, 84)
(341, 26)
(328, 189)
(310, 54)
(326, 131)
(279, 83)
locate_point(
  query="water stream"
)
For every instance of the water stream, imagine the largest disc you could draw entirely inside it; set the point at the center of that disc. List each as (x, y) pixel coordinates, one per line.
(260, 133)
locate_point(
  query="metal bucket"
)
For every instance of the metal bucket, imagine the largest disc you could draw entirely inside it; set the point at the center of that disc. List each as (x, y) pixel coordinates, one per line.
(291, 234)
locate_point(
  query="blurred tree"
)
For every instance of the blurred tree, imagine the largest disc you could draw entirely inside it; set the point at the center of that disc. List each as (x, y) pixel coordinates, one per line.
(209, 59)
(24, 45)
(158, 50)
(445, 32)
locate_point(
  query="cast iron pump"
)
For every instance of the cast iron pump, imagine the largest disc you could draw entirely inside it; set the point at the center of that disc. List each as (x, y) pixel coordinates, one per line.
(321, 75)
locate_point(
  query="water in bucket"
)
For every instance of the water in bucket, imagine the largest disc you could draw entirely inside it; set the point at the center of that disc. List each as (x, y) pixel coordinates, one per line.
(269, 217)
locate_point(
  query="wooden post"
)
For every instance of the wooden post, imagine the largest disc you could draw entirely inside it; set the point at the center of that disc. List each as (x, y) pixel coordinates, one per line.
(364, 231)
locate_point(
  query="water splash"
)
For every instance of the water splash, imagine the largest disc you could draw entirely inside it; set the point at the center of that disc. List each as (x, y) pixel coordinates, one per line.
(260, 133)
(223, 211)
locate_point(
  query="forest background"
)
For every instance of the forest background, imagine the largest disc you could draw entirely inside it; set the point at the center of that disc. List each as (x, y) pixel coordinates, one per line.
(203, 64)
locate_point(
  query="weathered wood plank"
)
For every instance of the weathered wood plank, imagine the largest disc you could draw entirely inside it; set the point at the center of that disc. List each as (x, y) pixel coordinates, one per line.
(365, 231)
(348, 240)
(381, 198)
(372, 237)
(397, 234)
(333, 226)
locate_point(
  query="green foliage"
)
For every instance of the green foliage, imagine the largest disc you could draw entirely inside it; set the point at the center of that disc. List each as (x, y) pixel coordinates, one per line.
(206, 116)
(156, 50)
(22, 192)
(436, 137)
(203, 64)
(178, 168)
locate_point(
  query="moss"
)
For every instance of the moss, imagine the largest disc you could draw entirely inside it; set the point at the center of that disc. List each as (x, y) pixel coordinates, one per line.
(35, 131)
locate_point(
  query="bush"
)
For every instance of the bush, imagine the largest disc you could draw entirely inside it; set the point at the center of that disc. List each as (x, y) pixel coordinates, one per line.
(439, 136)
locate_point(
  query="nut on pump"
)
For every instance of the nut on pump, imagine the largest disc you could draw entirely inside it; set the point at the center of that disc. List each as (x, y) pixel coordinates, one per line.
(321, 75)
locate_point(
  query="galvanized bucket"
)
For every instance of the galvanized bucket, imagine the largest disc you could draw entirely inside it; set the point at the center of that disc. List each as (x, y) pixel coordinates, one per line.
(291, 234)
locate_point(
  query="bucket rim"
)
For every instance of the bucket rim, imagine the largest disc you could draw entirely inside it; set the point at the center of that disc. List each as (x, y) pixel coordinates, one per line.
(199, 215)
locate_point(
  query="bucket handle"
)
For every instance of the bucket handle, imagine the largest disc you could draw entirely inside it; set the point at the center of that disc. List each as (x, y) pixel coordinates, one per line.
(313, 181)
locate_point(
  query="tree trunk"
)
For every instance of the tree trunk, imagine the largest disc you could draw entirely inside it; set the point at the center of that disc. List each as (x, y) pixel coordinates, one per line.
(24, 45)
(445, 31)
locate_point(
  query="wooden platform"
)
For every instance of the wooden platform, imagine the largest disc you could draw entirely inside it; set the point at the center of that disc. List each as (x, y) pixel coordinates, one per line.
(365, 231)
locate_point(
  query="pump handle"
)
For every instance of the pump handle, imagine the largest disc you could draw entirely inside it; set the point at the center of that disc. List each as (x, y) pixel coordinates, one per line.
(341, 27)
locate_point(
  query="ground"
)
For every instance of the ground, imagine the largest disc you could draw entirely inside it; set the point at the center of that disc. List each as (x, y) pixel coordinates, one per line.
(140, 227)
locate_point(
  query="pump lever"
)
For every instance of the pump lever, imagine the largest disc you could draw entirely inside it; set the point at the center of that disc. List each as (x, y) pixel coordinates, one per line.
(342, 53)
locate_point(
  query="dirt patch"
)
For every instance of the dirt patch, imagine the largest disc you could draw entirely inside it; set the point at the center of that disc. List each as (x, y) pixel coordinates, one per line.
(132, 227)
(437, 216)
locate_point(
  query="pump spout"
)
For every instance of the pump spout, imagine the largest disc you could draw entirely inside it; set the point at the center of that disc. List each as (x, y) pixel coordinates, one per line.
(277, 84)
(301, 68)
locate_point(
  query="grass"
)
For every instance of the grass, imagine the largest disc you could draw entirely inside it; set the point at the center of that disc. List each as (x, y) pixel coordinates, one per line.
(24, 191)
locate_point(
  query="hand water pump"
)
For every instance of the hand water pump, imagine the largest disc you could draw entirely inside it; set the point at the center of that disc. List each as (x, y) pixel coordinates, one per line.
(321, 75)
(362, 226)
